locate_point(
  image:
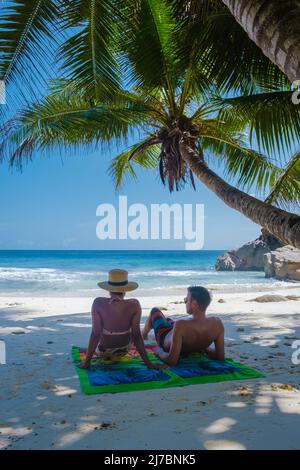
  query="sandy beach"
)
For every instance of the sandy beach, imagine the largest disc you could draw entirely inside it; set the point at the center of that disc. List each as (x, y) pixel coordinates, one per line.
(42, 406)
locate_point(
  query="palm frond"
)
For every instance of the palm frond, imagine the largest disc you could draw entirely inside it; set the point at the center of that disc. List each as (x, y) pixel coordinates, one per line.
(149, 45)
(285, 191)
(25, 27)
(250, 170)
(68, 119)
(141, 149)
(145, 154)
(272, 118)
(228, 58)
(190, 10)
(195, 85)
(88, 54)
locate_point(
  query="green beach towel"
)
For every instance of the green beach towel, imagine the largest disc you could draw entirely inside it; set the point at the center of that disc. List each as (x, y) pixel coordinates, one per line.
(129, 373)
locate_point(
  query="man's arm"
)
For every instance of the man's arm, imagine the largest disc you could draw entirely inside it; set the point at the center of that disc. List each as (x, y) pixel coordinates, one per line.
(172, 357)
(94, 338)
(218, 352)
(137, 336)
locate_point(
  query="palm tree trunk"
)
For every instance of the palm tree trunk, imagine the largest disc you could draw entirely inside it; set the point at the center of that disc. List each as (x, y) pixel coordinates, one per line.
(274, 26)
(283, 225)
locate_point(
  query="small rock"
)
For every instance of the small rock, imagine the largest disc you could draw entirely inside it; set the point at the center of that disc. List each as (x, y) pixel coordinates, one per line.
(287, 387)
(245, 391)
(107, 425)
(269, 298)
(222, 301)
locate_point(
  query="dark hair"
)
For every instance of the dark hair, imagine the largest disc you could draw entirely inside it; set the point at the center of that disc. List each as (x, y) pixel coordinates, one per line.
(201, 295)
(117, 293)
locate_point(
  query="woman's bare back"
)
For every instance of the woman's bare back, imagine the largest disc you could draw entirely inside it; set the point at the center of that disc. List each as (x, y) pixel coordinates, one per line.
(116, 316)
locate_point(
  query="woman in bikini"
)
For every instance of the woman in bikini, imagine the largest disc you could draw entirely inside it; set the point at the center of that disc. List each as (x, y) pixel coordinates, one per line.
(116, 322)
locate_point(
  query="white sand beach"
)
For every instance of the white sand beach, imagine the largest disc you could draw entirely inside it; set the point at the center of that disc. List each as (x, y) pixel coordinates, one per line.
(42, 406)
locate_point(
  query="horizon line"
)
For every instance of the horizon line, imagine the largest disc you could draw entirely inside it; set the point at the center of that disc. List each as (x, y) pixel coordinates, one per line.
(109, 249)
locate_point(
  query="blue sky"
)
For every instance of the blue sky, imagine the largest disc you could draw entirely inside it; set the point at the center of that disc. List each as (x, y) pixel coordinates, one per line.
(52, 205)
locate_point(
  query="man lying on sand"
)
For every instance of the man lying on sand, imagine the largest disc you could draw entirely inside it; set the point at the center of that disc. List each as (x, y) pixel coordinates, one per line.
(116, 322)
(195, 334)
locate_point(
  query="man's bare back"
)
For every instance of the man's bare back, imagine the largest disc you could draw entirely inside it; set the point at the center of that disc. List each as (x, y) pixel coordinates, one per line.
(197, 334)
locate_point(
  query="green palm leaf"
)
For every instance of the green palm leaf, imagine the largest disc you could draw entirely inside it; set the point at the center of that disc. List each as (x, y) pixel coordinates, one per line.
(88, 54)
(271, 117)
(150, 47)
(285, 191)
(189, 10)
(64, 119)
(249, 169)
(146, 156)
(25, 26)
(227, 57)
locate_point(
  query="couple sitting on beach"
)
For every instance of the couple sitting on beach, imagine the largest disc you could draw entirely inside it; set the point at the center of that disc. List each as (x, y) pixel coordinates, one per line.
(116, 325)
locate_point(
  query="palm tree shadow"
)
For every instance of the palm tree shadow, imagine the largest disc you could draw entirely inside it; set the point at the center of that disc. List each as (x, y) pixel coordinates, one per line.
(44, 408)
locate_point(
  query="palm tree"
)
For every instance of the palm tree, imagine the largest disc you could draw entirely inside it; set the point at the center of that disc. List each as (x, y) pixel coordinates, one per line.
(171, 75)
(271, 24)
(274, 27)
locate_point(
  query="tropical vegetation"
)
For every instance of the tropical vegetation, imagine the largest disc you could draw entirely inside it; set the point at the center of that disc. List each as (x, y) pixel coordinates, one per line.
(183, 79)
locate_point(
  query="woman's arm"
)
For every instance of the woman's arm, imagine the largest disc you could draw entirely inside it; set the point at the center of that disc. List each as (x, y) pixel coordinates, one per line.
(94, 338)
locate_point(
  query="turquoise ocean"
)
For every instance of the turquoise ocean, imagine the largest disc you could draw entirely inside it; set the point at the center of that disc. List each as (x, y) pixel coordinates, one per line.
(76, 273)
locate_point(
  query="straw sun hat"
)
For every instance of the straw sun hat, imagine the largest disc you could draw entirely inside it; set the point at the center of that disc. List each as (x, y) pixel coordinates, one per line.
(118, 282)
